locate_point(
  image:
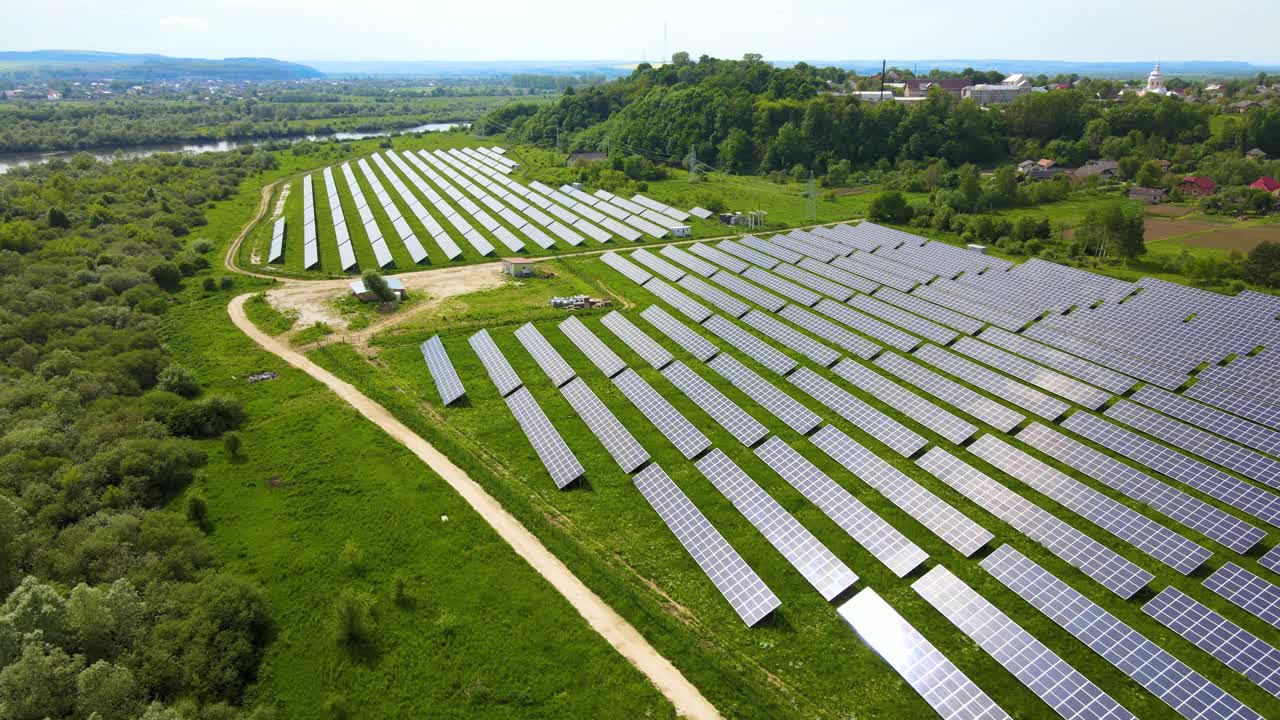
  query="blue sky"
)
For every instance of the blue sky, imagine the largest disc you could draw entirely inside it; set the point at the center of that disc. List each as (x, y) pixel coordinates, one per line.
(1084, 30)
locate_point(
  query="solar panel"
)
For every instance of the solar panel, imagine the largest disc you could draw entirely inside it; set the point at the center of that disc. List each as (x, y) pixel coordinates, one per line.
(1125, 523)
(689, 307)
(657, 265)
(947, 690)
(632, 271)
(1210, 418)
(723, 259)
(768, 248)
(442, 371)
(868, 325)
(936, 313)
(750, 345)
(593, 347)
(693, 263)
(906, 402)
(824, 571)
(495, 363)
(817, 283)
(868, 419)
(1091, 557)
(690, 341)
(555, 455)
(861, 523)
(755, 257)
(842, 277)
(832, 333)
(617, 440)
(718, 298)
(1271, 560)
(755, 294)
(1196, 441)
(737, 421)
(781, 405)
(736, 581)
(1089, 372)
(1236, 647)
(1052, 679)
(785, 288)
(1247, 591)
(1038, 375)
(1169, 501)
(953, 526)
(926, 329)
(675, 427)
(636, 339)
(791, 338)
(557, 370)
(1012, 391)
(962, 398)
(1166, 677)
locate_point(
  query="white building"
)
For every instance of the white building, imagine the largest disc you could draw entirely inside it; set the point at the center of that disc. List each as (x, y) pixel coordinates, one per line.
(1155, 83)
(1006, 92)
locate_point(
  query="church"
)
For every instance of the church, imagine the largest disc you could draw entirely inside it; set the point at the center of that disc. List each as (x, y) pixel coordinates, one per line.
(1155, 83)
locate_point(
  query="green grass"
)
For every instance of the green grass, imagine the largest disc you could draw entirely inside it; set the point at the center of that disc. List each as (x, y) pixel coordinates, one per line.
(267, 317)
(809, 660)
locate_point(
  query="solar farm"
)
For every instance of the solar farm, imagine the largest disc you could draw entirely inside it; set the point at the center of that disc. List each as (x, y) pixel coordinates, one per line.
(897, 477)
(403, 210)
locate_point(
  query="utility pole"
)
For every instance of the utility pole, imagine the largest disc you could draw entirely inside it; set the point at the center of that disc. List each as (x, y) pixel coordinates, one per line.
(884, 67)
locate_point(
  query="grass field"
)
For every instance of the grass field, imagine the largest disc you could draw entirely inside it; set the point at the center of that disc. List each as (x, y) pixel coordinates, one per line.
(806, 663)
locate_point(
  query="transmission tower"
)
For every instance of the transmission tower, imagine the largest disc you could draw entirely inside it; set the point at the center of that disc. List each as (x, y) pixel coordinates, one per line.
(693, 164)
(811, 202)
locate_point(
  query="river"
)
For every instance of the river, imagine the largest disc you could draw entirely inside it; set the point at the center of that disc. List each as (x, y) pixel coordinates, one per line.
(9, 161)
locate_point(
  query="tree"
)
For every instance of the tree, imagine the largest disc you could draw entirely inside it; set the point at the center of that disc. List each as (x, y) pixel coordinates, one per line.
(177, 379)
(231, 443)
(167, 275)
(108, 691)
(58, 218)
(890, 206)
(376, 284)
(198, 511)
(1263, 264)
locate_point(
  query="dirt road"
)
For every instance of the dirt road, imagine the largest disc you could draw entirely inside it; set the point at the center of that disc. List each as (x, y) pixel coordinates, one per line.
(686, 698)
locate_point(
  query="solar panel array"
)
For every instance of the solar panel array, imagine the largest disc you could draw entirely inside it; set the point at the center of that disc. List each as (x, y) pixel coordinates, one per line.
(617, 440)
(690, 341)
(829, 331)
(912, 323)
(1033, 374)
(632, 271)
(738, 422)
(555, 455)
(310, 239)
(937, 313)
(276, 252)
(751, 255)
(861, 523)
(1210, 418)
(750, 345)
(868, 325)
(785, 288)
(953, 526)
(781, 405)
(1012, 391)
(824, 571)
(740, 585)
(718, 298)
(1169, 501)
(958, 396)
(1104, 565)
(442, 371)
(1052, 679)
(660, 267)
(1177, 685)
(687, 438)
(906, 402)
(636, 339)
(947, 690)
(557, 370)
(789, 337)
(504, 377)
(1125, 523)
(1247, 591)
(754, 293)
(1236, 647)
(897, 436)
(691, 262)
(600, 355)
(687, 306)
(719, 257)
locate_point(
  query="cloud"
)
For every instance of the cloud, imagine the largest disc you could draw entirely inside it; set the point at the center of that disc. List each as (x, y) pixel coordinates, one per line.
(188, 24)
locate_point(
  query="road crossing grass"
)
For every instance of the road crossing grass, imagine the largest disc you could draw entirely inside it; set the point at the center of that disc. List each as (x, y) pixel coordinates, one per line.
(808, 662)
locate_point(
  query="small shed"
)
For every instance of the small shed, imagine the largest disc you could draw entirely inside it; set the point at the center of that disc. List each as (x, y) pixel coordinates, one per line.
(518, 267)
(1256, 154)
(364, 294)
(680, 231)
(1151, 196)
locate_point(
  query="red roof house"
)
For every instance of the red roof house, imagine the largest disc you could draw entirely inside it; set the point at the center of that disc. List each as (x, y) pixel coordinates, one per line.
(1197, 186)
(1267, 183)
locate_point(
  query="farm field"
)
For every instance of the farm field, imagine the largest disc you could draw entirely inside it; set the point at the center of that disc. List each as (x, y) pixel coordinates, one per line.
(805, 661)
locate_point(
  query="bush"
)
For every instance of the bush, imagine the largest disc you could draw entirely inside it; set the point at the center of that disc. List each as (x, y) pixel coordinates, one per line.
(226, 282)
(167, 275)
(209, 284)
(231, 441)
(351, 558)
(353, 617)
(198, 511)
(177, 379)
(890, 206)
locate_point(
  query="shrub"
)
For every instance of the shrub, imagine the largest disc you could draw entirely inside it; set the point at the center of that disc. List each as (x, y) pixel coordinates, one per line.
(198, 511)
(352, 557)
(231, 441)
(177, 379)
(209, 283)
(353, 617)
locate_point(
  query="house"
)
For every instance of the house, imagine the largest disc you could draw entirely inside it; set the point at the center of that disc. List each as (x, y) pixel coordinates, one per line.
(1025, 166)
(920, 87)
(1104, 169)
(1267, 184)
(1196, 186)
(1046, 163)
(1164, 165)
(586, 158)
(396, 285)
(1151, 196)
(996, 94)
(1214, 89)
(1256, 154)
(53, 95)
(518, 267)
(1243, 106)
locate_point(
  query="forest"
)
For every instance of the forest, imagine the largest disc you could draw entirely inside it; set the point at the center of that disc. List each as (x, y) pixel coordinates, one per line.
(113, 606)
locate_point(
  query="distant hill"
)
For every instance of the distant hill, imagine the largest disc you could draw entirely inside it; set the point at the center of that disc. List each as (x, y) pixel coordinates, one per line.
(466, 68)
(1112, 70)
(38, 65)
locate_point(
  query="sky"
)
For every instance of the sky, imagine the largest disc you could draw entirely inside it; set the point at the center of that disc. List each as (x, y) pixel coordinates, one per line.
(300, 30)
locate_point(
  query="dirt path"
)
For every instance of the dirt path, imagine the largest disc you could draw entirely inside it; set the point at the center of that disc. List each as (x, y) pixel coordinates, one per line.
(264, 202)
(686, 698)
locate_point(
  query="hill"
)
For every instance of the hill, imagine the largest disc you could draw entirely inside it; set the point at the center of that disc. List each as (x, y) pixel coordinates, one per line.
(38, 65)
